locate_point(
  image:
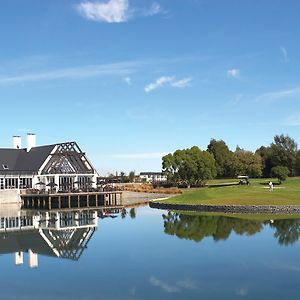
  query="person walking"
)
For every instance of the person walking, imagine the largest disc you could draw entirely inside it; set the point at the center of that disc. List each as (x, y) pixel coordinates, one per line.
(270, 186)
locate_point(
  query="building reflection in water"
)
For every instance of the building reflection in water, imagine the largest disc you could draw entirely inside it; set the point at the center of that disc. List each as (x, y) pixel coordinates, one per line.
(63, 234)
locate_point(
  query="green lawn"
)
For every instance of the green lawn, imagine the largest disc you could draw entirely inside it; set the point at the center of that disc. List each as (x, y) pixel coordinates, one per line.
(255, 194)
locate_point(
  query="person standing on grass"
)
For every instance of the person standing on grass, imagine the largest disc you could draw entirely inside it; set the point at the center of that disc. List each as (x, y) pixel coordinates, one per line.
(270, 186)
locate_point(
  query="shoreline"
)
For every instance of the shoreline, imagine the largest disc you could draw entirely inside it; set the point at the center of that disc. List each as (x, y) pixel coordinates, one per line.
(241, 209)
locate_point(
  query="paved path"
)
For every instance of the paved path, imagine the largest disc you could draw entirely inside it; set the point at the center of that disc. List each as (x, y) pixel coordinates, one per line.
(133, 198)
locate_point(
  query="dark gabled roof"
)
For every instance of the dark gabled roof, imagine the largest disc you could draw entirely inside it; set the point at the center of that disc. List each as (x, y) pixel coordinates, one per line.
(19, 160)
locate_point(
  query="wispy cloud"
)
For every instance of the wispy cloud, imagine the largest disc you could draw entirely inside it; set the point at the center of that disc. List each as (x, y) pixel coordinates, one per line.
(284, 266)
(115, 11)
(182, 83)
(154, 9)
(136, 156)
(242, 292)
(176, 287)
(233, 73)
(81, 72)
(279, 95)
(293, 120)
(284, 54)
(237, 99)
(167, 80)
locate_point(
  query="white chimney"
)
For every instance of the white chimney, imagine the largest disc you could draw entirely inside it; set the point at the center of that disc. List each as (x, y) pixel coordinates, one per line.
(19, 258)
(17, 142)
(33, 259)
(31, 141)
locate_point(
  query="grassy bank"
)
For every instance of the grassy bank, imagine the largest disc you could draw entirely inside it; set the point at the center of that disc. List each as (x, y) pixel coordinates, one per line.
(257, 193)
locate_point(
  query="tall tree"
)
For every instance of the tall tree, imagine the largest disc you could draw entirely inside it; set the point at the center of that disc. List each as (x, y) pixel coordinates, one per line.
(284, 152)
(247, 163)
(266, 154)
(223, 158)
(189, 166)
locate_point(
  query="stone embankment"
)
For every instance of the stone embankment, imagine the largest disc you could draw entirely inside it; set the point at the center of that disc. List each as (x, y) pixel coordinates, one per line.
(237, 209)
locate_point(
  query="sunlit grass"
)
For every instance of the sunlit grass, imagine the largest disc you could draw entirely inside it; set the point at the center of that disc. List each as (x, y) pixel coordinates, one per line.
(257, 193)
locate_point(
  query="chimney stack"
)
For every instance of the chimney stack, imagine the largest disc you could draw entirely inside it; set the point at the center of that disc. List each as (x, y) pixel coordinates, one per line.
(17, 142)
(31, 141)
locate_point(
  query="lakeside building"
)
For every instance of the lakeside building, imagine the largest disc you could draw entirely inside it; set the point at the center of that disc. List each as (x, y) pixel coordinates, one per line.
(153, 177)
(61, 166)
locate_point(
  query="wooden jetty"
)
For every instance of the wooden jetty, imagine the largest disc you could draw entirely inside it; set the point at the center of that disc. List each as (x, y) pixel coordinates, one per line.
(72, 200)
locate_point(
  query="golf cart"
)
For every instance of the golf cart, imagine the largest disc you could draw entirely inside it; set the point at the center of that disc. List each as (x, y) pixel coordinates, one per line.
(243, 180)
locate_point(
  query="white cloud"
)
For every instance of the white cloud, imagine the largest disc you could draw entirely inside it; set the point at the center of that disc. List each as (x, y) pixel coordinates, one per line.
(115, 11)
(158, 83)
(81, 72)
(164, 286)
(167, 80)
(154, 9)
(284, 54)
(128, 80)
(182, 83)
(233, 73)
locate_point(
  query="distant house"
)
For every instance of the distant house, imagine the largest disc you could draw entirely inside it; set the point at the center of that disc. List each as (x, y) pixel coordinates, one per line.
(61, 166)
(153, 176)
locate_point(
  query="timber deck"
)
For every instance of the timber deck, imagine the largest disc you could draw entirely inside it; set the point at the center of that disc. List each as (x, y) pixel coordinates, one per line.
(72, 200)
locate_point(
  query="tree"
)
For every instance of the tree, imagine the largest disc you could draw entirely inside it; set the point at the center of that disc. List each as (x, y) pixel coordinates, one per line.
(247, 163)
(284, 152)
(280, 172)
(297, 168)
(122, 176)
(131, 176)
(189, 166)
(223, 158)
(132, 213)
(266, 154)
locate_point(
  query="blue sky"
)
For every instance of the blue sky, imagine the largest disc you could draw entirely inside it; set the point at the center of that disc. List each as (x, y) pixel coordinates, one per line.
(131, 80)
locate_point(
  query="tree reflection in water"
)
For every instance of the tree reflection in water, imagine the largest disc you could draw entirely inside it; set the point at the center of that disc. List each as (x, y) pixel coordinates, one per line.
(197, 227)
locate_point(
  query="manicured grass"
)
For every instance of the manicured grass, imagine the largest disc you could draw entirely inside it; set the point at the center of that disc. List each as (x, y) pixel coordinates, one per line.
(255, 194)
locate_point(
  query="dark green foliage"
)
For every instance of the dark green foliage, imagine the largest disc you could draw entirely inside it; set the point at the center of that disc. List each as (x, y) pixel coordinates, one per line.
(131, 176)
(189, 166)
(132, 213)
(223, 158)
(287, 231)
(197, 227)
(284, 152)
(247, 163)
(280, 172)
(266, 154)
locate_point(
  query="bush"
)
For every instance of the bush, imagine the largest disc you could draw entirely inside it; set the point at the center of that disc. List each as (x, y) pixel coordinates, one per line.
(280, 172)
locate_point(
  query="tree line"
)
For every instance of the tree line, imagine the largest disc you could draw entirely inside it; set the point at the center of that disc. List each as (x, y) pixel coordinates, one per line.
(197, 227)
(193, 166)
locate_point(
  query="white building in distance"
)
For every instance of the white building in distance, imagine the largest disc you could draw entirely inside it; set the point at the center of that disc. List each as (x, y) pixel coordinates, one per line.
(153, 177)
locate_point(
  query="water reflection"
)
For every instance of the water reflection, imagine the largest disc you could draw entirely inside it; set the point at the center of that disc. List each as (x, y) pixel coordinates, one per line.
(197, 227)
(62, 234)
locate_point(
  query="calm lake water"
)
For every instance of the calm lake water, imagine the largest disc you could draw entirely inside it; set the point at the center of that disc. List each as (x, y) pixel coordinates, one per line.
(152, 254)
